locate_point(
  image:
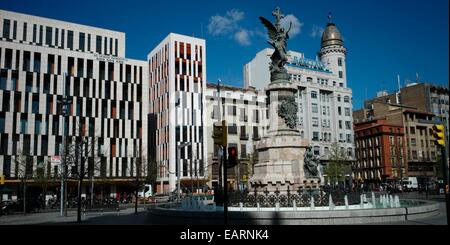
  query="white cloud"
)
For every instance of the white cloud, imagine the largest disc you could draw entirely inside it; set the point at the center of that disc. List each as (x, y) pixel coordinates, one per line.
(316, 31)
(243, 37)
(224, 25)
(296, 24)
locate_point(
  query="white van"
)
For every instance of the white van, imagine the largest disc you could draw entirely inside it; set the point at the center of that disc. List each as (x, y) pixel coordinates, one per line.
(146, 191)
(411, 183)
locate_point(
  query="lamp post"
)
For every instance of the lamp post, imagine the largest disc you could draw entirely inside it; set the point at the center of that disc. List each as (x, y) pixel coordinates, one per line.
(179, 166)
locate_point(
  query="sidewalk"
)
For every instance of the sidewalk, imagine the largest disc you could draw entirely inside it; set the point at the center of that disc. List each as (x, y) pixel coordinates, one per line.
(53, 218)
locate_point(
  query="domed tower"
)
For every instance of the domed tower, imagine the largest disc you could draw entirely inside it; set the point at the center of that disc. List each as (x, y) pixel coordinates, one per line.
(332, 52)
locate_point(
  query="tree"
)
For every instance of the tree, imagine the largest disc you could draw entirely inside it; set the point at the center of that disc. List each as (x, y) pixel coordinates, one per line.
(83, 160)
(43, 179)
(338, 164)
(145, 171)
(24, 171)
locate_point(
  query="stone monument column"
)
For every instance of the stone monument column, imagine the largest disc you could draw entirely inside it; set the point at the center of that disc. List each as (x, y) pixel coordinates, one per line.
(281, 153)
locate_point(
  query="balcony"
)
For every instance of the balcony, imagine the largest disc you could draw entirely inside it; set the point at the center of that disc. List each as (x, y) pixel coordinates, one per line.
(243, 136)
(256, 137)
(427, 121)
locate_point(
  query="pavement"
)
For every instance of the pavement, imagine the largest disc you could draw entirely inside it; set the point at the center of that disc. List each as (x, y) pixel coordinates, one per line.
(128, 217)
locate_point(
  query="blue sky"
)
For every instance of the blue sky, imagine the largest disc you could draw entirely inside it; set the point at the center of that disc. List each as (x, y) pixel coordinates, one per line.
(383, 37)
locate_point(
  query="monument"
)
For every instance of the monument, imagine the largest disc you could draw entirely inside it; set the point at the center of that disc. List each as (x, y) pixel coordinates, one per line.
(284, 159)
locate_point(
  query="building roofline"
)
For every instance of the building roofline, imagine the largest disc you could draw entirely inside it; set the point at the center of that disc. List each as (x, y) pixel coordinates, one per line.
(62, 21)
(232, 88)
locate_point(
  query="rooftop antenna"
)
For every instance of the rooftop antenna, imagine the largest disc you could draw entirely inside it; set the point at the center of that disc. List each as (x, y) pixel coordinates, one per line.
(397, 95)
(417, 77)
(330, 17)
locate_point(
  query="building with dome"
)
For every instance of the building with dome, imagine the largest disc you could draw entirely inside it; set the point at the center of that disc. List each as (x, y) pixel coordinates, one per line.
(324, 99)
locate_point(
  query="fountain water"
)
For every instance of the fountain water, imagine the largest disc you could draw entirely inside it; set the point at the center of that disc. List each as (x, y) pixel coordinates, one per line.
(346, 201)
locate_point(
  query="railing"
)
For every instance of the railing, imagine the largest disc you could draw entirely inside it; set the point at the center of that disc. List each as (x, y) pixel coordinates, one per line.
(301, 197)
(243, 137)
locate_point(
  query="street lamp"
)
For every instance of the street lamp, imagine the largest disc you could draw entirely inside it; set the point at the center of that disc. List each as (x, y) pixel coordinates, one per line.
(179, 166)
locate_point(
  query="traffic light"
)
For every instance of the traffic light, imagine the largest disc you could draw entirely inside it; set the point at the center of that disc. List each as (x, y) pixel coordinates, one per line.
(438, 133)
(220, 134)
(232, 157)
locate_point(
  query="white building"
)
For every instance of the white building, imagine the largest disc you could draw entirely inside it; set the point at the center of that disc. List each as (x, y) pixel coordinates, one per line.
(128, 106)
(245, 113)
(176, 101)
(324, 100)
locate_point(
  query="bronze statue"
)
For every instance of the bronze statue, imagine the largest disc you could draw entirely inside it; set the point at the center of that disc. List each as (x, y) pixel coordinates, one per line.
(311, 164)
(278, 37)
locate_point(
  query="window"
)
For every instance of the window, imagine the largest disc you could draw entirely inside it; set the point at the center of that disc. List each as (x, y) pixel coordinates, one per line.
(341, 74)
(313, 95)
(309, 79)
(413, 142)
(346, 99)
(316, 150)
(340, 124)
(315, 136)
(414, 155)
(23, 124)
(81, 41)
(232, 110)
(412, 130)
(315, 122)
(70, 40)
(243, 151)
(232, 129)
(339, 111)
(339, 98)
(37, 62)
(314, 108)
(3, 79)
(62, 39)
(347, 111)
(255, 116)
(2, 122)
(348, 125)
(8, 58)
(349, 138)
(6, 28)
(339, 61)
(41, 35)
(48, 36)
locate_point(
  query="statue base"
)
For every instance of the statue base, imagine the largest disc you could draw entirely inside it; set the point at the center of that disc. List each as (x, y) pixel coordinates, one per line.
(280, 165)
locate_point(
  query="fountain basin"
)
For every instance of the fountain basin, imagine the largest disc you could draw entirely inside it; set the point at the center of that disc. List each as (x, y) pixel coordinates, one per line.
(303, 216)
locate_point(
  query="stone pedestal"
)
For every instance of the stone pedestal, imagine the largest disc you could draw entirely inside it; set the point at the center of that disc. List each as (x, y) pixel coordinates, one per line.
(281, 152)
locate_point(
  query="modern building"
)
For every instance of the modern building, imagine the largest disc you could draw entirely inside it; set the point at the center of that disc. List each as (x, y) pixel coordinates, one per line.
(421, 153)
(177, 81)
(324, 99)
(131, 109)
(245, 112)
(380, 152)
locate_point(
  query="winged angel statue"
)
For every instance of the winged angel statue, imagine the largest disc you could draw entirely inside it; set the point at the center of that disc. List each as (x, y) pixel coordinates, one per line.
(277, 39)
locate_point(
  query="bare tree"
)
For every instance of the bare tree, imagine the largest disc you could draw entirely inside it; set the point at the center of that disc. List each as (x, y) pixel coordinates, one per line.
(83, 159)
(24, 171)
(44, 180)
